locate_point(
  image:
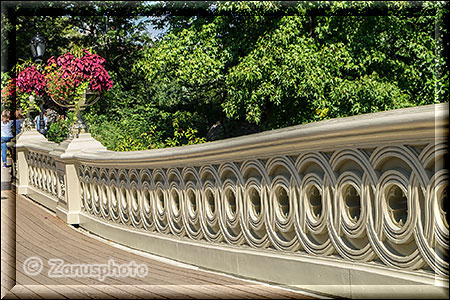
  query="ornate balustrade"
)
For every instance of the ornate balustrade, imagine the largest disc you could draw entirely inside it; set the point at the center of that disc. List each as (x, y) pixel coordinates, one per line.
(340, 206)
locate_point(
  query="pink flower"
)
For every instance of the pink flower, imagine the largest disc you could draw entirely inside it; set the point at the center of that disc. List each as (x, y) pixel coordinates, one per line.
(86, 68)
(31, 80)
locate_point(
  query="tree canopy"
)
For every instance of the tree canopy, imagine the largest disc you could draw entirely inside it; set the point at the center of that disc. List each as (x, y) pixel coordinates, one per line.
(260, 64)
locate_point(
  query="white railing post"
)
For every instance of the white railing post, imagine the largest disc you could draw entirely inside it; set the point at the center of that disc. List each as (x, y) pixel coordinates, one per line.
(69, 198)
(22, 171)
(24, 140)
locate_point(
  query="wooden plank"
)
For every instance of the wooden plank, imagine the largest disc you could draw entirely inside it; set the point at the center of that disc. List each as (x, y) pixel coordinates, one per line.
(40, 233)
(23, 292)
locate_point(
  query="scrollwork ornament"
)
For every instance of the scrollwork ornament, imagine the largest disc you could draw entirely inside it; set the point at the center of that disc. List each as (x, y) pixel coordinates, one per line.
(27, 124)
(62, 187)
(147, 201)
(282, 203)
(124, 202)
(382, 202)
(230, 205)
(160, 194)
(104, 195)
(176, 201)
(254, 204)
(113, 201)
(95, 192)
(192, 199)
(76, 128)
(209, 211)
(135, 204)
(314, 203)
(397, 212)
(433, 238)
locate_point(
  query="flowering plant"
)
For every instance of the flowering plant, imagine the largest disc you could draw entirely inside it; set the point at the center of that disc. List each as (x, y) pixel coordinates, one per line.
(9, 93)
(18, 89)
(69, 76)
(30, 80)
(66, 79)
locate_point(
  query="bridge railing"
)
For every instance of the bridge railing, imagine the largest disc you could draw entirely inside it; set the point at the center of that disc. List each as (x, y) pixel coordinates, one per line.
(339, 206)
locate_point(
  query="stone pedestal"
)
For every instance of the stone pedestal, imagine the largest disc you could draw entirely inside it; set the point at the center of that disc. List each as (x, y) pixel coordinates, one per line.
(69, 202)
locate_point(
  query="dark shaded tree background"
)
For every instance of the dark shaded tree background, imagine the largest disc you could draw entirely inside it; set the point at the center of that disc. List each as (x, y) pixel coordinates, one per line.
(243, 66)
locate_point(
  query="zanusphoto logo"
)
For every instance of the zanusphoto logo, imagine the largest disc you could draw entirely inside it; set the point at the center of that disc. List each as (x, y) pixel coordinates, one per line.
(57, 268)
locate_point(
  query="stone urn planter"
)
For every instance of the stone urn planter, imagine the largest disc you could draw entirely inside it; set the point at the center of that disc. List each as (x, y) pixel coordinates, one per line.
(75, 81)
(88, 98)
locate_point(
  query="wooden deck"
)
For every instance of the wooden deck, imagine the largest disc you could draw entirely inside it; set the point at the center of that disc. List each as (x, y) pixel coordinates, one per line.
(29, 230)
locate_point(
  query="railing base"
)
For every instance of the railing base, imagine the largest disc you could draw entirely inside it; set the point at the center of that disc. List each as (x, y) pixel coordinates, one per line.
(72, 218)
(319, 274)
(22, 190)
(42, 198)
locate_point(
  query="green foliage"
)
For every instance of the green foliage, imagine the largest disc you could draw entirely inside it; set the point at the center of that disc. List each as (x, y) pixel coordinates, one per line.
(59, 130)
(6, 78)
(270, 63)
(289, 76)
(185, 71)
(278, 65)
(182, 136)
(135, 132)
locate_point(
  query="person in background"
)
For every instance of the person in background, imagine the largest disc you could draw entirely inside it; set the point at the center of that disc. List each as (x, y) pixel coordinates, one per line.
(7, 134)
(18, 121)
(38, 123)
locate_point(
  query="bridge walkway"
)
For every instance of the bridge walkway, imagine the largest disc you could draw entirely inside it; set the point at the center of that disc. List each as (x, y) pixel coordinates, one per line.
(32, 234)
